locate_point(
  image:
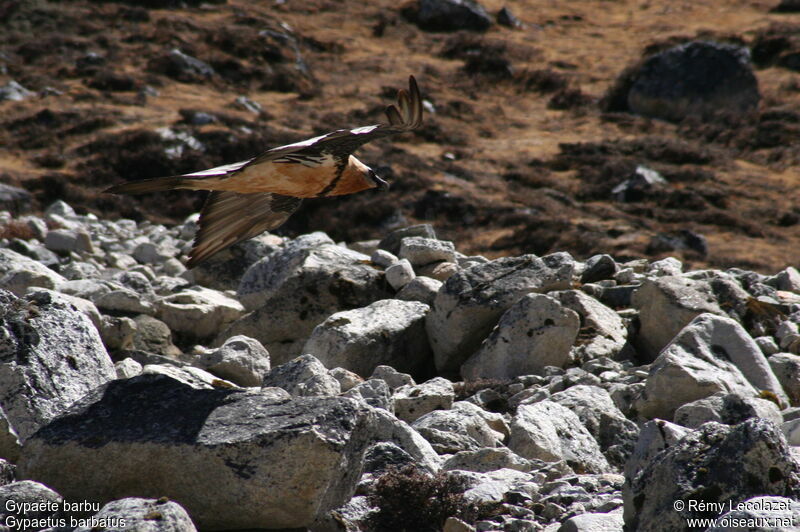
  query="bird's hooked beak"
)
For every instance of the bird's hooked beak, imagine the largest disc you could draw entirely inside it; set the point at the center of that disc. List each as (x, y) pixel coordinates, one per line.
(380, 183)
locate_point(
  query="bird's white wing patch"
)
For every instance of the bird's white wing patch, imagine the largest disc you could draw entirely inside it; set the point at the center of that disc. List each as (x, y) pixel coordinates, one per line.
(219, 170)
(363, 130)
(302, 143)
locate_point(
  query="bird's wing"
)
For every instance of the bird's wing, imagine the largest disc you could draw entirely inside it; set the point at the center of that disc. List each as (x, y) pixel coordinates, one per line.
(405, 115)
(230, 217)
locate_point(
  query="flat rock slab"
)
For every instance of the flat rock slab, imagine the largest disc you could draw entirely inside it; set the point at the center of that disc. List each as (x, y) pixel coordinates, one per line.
(233, 459)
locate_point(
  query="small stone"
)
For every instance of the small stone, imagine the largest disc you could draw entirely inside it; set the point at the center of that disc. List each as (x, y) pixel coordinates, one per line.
(401, 273)
(421, 251)
(383, 258)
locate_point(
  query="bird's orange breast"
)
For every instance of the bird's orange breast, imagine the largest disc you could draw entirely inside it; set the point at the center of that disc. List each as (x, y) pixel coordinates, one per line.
(289, 179)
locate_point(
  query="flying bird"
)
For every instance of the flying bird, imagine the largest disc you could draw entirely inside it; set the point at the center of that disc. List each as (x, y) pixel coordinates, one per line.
(259, 194)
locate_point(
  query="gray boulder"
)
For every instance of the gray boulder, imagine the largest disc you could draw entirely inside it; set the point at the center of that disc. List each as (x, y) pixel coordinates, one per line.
(470, 303)
(786, 367)
(729, 409)
(712, 354)
(716, 464)
(666, 305)
(295, 289)
(224, 449)
(50, 355)
(414, 401)
(535, 332)
(241, 360)
(448, 15)
(14, 497)
(199, 313)
(769, 514)
(616, 434)
(551, 432)
(387, 332)
(140, 515)
(303, 376)
(697, 79)
(464, 427)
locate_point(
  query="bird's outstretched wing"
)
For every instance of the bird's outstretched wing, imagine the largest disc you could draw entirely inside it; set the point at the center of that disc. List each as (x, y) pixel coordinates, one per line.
(405, 115)
(230, 217)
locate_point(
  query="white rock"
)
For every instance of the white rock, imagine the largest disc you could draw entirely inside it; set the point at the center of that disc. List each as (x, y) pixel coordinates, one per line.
(127, 368)
(712, 354)
(655, 436)
(199, 312)
(471, 302)
(53, 356)
(594, 522)
(609, 333)
(374, 393)
(550, 432)
(387, 332)
(411, 402)
(597, 412)
(383, 258)
(535, 332)
(78, 303)
(487, 459)
(241, 360)
(465, 420)
(421, 251)
(347, 379)
(66, 240)
(422, 289)
(295, 289)
(188, 375)
(786, 367)
(303, 376)
(18, 273)
(392, 377)
(139, 514)
(789, 280)
(775, 512)
(791, 429)
(123, 300)
(295, 457)
(400, 274)
(666, 305)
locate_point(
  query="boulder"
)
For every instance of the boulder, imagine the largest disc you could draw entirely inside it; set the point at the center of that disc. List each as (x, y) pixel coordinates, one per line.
(414, 401)
(470, 303)
(594, 407)
(717, 465)
(666, 305)
(50, 355)
(535, 332)
(212, 451)
(729, 409)
(712, 354)
(152, 515)
(448, 15)
(303, 376)
(387, 332)
(241, 360)
(199, 313)
(295, 289)
(551, 432)
(695, 79)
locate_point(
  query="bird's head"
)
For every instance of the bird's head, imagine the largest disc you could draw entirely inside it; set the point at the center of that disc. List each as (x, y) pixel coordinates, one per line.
(356, 177)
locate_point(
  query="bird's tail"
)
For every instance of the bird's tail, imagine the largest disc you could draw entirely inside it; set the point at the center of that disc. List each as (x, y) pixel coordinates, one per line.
(143, 186)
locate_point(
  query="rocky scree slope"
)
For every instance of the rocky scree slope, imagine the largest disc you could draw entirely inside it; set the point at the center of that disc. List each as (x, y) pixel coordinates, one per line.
(304, 383)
